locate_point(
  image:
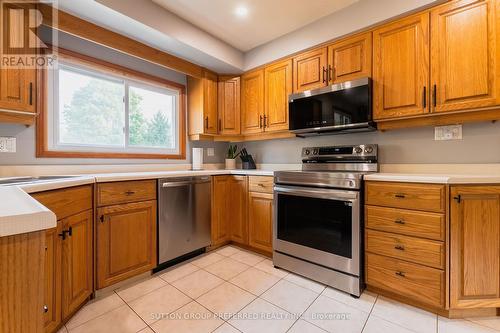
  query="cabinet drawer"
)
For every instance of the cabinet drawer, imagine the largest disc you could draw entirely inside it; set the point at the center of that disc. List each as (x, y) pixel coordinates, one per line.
(263, 184)
(420, 283)
(121, 192)
(68, 201)
(426, 197)
(417, 250)
(406, 222)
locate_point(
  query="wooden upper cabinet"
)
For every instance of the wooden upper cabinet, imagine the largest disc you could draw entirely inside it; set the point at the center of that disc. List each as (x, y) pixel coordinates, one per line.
(475, 246)
(77, 261)
(17, 85)
(310, 70)
(126, 241)
(202, 104)
(260, 220)
(464, 55)
(278, 85)
(220, 215)
(236, 204)
(229, 105)
(401, 68)
(252, 102)
(210, 104)
(350, 59)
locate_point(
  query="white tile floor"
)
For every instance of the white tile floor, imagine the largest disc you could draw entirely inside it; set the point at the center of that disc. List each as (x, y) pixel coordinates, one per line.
(232, 290)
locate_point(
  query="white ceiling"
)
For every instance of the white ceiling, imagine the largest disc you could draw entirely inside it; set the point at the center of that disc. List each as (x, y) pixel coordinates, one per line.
(266, 19)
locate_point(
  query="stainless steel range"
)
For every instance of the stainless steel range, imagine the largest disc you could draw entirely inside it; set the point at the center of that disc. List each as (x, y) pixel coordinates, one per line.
(318, 216)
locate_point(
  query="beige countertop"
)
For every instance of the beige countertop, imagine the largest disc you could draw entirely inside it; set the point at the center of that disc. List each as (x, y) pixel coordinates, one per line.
(435, 178)
(20, 213)
(54, 184)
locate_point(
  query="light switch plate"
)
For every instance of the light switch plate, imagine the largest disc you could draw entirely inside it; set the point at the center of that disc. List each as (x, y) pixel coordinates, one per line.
(7, 145)
(451, 132)
(210, 152)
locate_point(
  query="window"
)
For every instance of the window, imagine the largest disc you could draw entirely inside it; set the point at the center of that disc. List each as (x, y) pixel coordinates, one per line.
(96, 110)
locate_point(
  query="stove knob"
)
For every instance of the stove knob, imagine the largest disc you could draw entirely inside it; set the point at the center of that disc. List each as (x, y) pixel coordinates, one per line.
(358, 150)
(315, 151)
(369, 150)
(307, 152)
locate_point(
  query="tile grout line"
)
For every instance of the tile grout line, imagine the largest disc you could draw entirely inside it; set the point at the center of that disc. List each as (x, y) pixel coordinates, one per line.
(369, 314)
(305, 312)
(102, 314)
(130, 307)
(384, 319)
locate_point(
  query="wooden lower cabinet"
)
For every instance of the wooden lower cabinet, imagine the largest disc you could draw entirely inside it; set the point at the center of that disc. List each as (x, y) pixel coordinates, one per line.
(260, 217)
(229, 210)
(126, 241)
(475, 247)
(53, 276)
(237, 200)
(77, 261)
(69, 264)
(220, 195)
(22, 283)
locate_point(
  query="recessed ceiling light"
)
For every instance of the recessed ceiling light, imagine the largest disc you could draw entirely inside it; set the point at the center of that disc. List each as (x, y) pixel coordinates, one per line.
(241, 11)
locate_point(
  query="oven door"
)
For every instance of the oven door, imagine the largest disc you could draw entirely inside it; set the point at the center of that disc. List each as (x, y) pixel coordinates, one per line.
(318, 225)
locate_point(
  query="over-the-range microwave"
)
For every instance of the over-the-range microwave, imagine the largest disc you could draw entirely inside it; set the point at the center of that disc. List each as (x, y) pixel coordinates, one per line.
(338, 108)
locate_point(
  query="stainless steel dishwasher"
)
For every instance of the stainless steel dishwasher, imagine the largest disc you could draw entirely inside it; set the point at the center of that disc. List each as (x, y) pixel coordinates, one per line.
(184, 211)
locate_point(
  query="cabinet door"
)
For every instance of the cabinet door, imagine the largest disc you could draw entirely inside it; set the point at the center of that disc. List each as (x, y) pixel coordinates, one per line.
(260, 217)
(401, 68)
(229, 105)
(220, 214)
(126, 241)
(475, 247)
(77, 261)
(210, 103)
(350, 59)
(52, 298)
(252, 102)
(17, 85)
(309, 70)
(236, 204)
(464, 55)
(278, 86)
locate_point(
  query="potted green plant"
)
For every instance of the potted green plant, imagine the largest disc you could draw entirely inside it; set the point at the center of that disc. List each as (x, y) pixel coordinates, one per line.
(231, 157)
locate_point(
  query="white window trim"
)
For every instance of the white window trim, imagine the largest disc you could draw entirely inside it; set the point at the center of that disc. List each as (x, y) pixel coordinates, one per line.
(53, 113)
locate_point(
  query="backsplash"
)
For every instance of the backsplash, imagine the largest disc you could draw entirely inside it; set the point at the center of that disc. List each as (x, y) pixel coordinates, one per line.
(480, 144)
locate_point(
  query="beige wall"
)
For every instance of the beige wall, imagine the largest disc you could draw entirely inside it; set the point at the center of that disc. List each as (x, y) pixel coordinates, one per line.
(358, 16)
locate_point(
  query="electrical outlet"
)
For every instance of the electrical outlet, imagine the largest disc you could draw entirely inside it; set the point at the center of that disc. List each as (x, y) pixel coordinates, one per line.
(452, 132)
(7, 145)
(210, 151)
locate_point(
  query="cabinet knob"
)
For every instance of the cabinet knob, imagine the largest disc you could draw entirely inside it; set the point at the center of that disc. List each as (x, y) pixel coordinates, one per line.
(45, 309)
(101, 218)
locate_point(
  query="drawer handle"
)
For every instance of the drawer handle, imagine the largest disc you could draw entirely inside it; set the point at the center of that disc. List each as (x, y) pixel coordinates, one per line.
(130, 192)
(399, 247)
(261, 185)
(399, 273)
(399, 221)
(400, 195)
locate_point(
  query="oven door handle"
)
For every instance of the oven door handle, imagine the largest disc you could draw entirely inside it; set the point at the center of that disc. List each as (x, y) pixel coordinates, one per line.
(318, 193)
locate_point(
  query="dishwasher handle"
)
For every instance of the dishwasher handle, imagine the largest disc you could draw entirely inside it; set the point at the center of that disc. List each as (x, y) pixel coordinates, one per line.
(201, 180)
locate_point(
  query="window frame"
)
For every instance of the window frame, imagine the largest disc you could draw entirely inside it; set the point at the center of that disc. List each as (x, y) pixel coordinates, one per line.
(44, 147)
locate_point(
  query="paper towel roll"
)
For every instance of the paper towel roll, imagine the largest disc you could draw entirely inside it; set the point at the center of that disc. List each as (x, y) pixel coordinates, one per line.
(197, 158)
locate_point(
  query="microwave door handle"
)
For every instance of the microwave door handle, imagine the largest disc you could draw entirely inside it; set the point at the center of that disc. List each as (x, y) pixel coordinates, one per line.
(318, 193)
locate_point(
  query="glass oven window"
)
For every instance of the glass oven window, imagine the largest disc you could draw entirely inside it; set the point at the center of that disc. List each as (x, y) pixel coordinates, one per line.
(322, 224)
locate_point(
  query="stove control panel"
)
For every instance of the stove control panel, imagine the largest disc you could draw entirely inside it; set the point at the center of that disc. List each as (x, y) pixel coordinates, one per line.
(337, 153)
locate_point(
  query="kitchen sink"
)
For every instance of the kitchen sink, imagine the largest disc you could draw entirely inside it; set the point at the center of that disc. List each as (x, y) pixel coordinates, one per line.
(27, 180)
